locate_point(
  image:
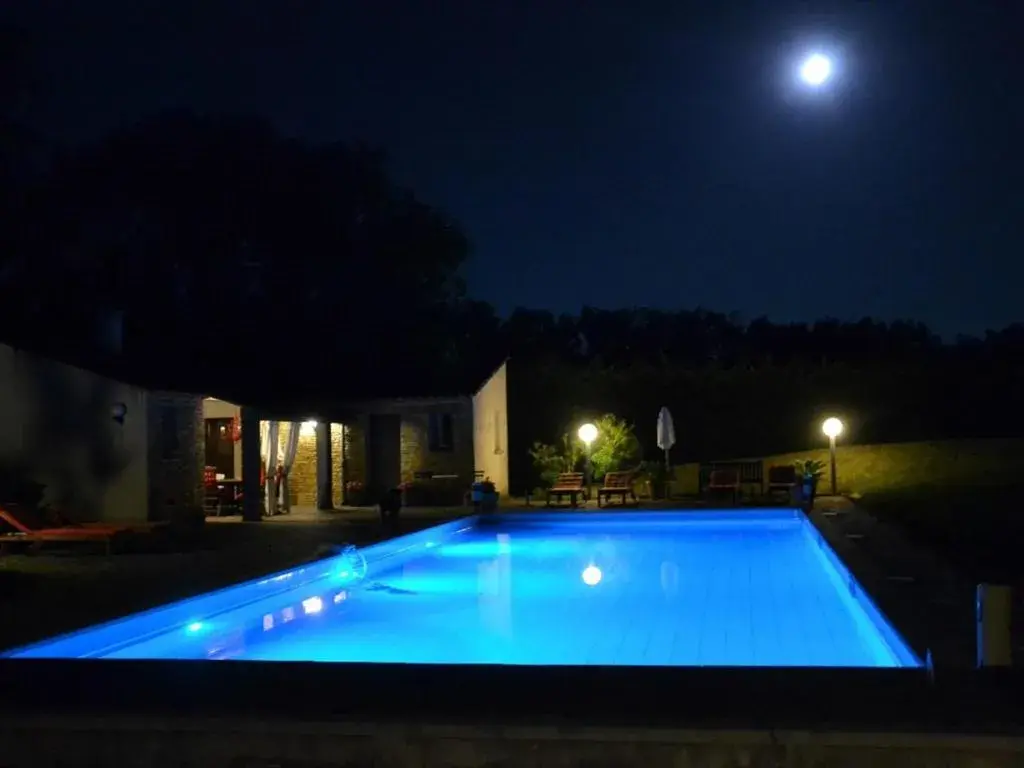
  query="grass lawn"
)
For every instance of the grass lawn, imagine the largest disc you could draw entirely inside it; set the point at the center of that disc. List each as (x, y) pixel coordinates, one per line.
(47, 594)
(978, 531)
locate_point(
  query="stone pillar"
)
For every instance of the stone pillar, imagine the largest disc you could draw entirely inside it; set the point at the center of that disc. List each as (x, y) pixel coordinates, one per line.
(324, 463)
(252, 509)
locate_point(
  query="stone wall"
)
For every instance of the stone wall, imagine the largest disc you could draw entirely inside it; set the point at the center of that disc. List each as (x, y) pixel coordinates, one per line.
(416, 453)
(866, 469)
(354, 455)
(175, 462)
(302, 480)
(337, 465)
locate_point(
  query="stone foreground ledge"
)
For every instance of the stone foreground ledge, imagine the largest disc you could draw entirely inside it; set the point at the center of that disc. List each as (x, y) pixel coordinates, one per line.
(210, 743)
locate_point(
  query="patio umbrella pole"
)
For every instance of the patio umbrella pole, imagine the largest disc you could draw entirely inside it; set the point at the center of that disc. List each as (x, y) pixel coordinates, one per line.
(668, 476)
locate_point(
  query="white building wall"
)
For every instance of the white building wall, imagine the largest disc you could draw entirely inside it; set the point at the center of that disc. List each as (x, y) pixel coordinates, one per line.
(490, 430)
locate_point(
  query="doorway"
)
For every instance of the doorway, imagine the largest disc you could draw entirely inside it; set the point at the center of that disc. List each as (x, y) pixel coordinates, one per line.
(220, 447)
(385, 453)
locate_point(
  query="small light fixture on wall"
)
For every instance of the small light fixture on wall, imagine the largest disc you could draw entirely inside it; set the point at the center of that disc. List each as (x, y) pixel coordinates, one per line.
(118, 411)
(308, 428)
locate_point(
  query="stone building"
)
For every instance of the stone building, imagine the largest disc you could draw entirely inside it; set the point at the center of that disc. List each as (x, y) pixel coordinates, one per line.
(436, 444)
(105, 450)
(222, 451)
(443, 440)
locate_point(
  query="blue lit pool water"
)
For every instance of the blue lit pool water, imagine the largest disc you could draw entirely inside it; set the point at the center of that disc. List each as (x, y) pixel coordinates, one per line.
(750, 588)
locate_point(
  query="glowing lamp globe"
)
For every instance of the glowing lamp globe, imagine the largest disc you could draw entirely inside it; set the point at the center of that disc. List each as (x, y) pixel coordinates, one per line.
(832, 427)
(816, 69)
(587, 433)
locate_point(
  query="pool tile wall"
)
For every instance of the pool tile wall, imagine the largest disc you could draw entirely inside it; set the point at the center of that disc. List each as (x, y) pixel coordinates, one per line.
(183, 612)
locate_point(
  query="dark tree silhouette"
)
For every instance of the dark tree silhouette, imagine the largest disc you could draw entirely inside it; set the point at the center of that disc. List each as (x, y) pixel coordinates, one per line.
(217, 235)
(271, 270)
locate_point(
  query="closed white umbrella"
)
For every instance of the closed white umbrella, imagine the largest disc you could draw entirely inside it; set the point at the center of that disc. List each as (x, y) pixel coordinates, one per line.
(666, 437)
(666, 430)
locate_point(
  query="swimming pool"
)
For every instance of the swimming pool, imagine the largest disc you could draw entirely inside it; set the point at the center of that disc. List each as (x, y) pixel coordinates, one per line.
(733, 588)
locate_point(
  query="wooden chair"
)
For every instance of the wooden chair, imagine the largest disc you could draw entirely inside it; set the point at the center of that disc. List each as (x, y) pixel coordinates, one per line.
(211, 493)
(781, 480)
(725, 480)
(751, 474)
(567, 484)
(616, 484)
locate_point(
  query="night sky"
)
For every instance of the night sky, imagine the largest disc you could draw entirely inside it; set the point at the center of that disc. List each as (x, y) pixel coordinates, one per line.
(622, 153)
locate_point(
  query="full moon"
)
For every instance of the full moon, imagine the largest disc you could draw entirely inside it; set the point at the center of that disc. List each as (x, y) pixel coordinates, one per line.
(816, 69)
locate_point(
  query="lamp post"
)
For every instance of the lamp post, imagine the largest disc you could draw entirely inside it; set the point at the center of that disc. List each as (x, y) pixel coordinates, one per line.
(833, 428)
(588, 434)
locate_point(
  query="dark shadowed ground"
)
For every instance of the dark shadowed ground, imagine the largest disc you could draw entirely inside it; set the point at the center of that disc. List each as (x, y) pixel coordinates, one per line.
(978, 531)
(947, 541)
(47, 594)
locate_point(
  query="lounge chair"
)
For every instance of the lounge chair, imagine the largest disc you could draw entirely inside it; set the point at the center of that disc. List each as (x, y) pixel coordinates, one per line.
(567, 484)
(36, 529)
(725, 480)
(616, 484)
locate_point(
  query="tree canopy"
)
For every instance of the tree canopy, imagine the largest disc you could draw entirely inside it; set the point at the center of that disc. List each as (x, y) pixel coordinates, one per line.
(214, 234)
(252, 264)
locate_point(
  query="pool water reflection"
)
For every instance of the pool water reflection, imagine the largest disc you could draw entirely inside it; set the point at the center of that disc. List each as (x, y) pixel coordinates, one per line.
(741, 589)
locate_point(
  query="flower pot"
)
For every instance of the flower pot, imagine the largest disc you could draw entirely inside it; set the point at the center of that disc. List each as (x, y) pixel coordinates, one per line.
(489, 502)
(809, 491)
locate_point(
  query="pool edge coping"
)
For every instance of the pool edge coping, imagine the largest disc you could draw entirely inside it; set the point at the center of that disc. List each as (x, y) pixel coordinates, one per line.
(374, 553)
(895, 642)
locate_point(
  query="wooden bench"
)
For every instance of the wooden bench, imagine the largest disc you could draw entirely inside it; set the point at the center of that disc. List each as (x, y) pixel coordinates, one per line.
(616, 484)
(781, 480)
(725, 480)
(567, 484)
(750, 473)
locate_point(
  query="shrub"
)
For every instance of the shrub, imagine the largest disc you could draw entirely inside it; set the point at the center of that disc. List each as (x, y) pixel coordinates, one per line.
(615, 448)
(548, 462)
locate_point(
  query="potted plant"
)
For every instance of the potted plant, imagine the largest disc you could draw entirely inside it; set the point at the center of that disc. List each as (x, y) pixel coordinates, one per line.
(484, 496)
(354, 493)
(414, 494)
(488, 496)
(809, 472)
